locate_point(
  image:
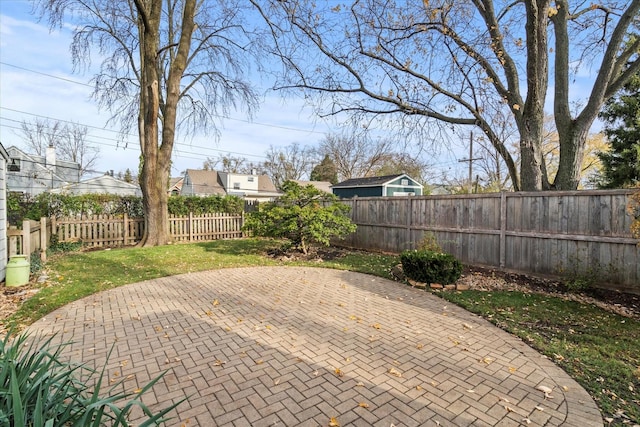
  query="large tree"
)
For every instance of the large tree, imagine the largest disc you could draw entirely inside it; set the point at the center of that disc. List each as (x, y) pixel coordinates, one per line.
(462, 63)
(165, 63)
(621, 164)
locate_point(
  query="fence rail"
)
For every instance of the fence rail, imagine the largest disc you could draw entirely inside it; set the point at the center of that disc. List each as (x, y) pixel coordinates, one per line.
(108, 230)
(579, 234)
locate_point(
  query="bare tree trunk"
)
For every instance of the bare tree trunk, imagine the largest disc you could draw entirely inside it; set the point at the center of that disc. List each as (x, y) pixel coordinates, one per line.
(154, 202)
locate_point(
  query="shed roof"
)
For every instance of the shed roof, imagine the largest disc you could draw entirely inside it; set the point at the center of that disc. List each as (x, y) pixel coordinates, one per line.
(372, 181)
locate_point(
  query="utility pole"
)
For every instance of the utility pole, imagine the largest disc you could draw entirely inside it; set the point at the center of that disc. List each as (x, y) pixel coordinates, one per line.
(471, 159)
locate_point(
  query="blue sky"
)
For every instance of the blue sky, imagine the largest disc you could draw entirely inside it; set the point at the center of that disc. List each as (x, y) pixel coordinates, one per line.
(36, 81)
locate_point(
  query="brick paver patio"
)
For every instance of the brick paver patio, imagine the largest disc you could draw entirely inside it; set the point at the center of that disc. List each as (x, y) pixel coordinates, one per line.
(285, 346)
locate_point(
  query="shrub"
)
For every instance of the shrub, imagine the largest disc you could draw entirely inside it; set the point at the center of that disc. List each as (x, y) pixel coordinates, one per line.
(39, 389)
(431, 267)
(302, 215)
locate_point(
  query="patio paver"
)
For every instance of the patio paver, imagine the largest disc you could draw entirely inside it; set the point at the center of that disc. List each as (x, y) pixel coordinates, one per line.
(294, 346)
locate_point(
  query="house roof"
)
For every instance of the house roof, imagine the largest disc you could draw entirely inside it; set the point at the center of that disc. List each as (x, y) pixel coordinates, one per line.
(39, 163)
(176, 183)
(266, 185)
(100, 185)
(373, 181)
(205, 182)
(320, 185)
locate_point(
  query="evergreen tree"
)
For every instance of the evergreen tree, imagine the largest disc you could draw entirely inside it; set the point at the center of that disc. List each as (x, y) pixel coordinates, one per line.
(621, 165)
(325, 171)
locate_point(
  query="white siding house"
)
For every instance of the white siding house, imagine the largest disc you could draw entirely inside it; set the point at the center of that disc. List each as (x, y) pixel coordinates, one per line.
(4, 157)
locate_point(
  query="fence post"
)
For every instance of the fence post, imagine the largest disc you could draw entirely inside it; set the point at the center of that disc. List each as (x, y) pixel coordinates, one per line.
(44, 240)
(190, 225)
(503, 228)
(26, 238)
(409, 241)
(125, 229)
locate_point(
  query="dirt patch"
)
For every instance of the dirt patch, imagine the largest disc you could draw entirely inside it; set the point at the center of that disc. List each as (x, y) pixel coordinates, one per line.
(485, 279)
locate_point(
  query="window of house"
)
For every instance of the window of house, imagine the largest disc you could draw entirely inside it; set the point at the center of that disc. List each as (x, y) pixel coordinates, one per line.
(404, 182)
(236, 185)
(250, 179)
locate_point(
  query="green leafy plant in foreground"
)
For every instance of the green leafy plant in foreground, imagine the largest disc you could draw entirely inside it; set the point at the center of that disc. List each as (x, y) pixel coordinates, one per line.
(39, 389)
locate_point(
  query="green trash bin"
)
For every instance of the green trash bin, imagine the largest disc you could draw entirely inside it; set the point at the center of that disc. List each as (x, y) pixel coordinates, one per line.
(17, 271)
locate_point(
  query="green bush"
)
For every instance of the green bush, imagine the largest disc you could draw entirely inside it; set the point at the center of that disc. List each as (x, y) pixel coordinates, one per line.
(302, 215)
(21, 207)
(39, 389)
(431, 267)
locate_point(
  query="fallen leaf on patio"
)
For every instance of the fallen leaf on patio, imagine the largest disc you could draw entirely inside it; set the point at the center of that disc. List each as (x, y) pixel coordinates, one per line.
(512, 369)
(360, 385)
(219, 362)
(565, 388)
(471, 391)
(340, 304)
(395, 373)
(420, 346)
(504, 399)
(454, 341)
(509, 409)
(544, 389)
(138, 390)
(124, 363)
(158, 328)
(558, 357)
(137, 317)
(333, 422)
(540, 408)
(486, 360)
(215, 302)
(526, 420)
(363, 405)
(208, 313)
(259, 362)
(376, 326)
(276, 382)
(339, 373)
(418, 387)
(467, 326)
(316, 373)
(348, 359)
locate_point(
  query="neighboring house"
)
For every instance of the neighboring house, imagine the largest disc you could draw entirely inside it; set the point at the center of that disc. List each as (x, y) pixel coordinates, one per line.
(202, 183)
(104, 184)
(320, 185)
(32, 174)
(4, 158)
(249, 186)
(378, 186)
(175, 186)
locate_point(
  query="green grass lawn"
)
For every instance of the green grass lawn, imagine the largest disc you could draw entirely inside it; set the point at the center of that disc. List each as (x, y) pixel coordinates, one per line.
(600, 350)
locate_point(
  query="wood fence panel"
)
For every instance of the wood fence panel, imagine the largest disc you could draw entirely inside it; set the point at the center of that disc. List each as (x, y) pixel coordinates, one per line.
(575, 233)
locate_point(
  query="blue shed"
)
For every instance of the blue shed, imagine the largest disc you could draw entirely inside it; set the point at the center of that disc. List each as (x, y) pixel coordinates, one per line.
(378, 186)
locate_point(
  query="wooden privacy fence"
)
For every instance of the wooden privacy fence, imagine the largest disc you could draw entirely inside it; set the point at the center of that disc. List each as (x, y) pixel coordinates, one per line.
(108, 230)
(32, 238)
(578, 234)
